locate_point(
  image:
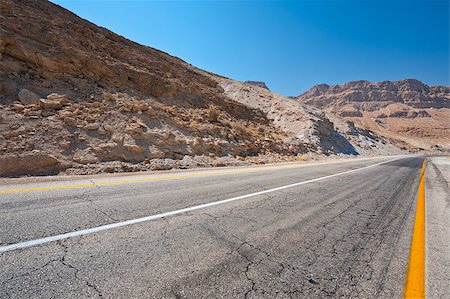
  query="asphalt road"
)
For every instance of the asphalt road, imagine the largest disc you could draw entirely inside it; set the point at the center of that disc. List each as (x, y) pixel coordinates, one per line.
(347, 235)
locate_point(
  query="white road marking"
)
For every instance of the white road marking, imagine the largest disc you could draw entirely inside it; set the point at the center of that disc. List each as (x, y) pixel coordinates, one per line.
(97, 229)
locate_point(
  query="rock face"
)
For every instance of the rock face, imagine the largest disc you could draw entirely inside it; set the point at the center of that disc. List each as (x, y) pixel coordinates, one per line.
(408, 110)
(257, 84)
(107, 99)
(67, 53)
(97, 102)
(306, 126)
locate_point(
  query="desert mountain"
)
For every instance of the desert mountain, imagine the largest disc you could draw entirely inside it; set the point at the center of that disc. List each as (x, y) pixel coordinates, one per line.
(408, 110)
(77, 98)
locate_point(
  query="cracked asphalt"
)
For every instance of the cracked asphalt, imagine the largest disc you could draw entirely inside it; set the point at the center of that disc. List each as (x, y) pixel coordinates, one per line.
(343, 237)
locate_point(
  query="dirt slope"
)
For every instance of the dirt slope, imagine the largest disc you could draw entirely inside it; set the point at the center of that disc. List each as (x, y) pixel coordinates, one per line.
(408, 110)
(77, 98)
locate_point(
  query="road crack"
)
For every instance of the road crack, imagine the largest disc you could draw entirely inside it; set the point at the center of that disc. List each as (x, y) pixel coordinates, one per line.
(63, 261)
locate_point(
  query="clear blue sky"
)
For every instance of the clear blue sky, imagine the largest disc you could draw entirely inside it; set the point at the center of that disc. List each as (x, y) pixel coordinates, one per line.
(290, 45)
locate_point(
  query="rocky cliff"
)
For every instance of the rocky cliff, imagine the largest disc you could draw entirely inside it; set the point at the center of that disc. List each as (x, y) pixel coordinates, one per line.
(77, 98)
(408, 110)
(257, 84)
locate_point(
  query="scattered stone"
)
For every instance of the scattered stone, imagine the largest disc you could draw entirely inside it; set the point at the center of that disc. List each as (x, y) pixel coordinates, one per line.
(18, 107)
(187, 162)
(162, 164)
(53, 101)
(92, 126)
(51, 104)
(57, 97)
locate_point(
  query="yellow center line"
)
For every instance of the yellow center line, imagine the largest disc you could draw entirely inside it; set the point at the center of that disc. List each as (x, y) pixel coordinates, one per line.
(166, 178)
(415, 276)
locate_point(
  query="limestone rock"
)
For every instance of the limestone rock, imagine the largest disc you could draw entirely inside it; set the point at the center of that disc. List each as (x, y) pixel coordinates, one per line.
(28, 163)
(162, 164)
(54, 101)
(187, 162)
(57, 97)
(112, 151)
(85, 156)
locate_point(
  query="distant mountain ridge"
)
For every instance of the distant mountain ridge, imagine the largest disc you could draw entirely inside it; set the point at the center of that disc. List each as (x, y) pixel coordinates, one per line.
(407, 109)
(410, 91)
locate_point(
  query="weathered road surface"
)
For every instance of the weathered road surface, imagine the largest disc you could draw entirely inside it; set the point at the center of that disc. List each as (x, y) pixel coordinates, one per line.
(346, 235)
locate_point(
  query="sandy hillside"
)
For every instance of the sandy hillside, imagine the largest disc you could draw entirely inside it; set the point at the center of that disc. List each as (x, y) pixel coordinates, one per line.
(77, 98)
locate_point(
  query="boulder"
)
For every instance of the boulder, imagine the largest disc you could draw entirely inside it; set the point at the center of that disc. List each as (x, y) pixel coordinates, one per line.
(29, 163)
(27, 97)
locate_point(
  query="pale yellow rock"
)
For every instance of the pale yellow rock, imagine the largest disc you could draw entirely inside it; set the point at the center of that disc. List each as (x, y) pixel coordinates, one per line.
(51, 104)
(29, 163)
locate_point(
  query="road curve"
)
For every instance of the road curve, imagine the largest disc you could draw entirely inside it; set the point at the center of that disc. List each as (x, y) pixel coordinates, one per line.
(339, 230)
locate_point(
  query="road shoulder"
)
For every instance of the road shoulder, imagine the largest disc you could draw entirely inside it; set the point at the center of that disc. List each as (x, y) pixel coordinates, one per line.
(437, 198)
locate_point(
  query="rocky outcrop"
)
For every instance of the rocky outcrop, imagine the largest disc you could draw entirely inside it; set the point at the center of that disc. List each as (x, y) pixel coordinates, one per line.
(67, 54)
(306, 126)
(257, 84)
(87, 96)
(408, 110)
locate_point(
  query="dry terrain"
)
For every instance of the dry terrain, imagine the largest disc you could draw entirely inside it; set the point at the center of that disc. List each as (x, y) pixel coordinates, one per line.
(78, 99)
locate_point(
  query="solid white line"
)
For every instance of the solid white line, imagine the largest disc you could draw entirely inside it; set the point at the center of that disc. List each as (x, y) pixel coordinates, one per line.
(97, 229)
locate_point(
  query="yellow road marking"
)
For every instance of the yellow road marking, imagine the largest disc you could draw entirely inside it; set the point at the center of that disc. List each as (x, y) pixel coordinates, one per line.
(415, 277)
(165, 178)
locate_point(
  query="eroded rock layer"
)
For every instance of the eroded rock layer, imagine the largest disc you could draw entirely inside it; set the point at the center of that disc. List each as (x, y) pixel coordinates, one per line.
(408, 110)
